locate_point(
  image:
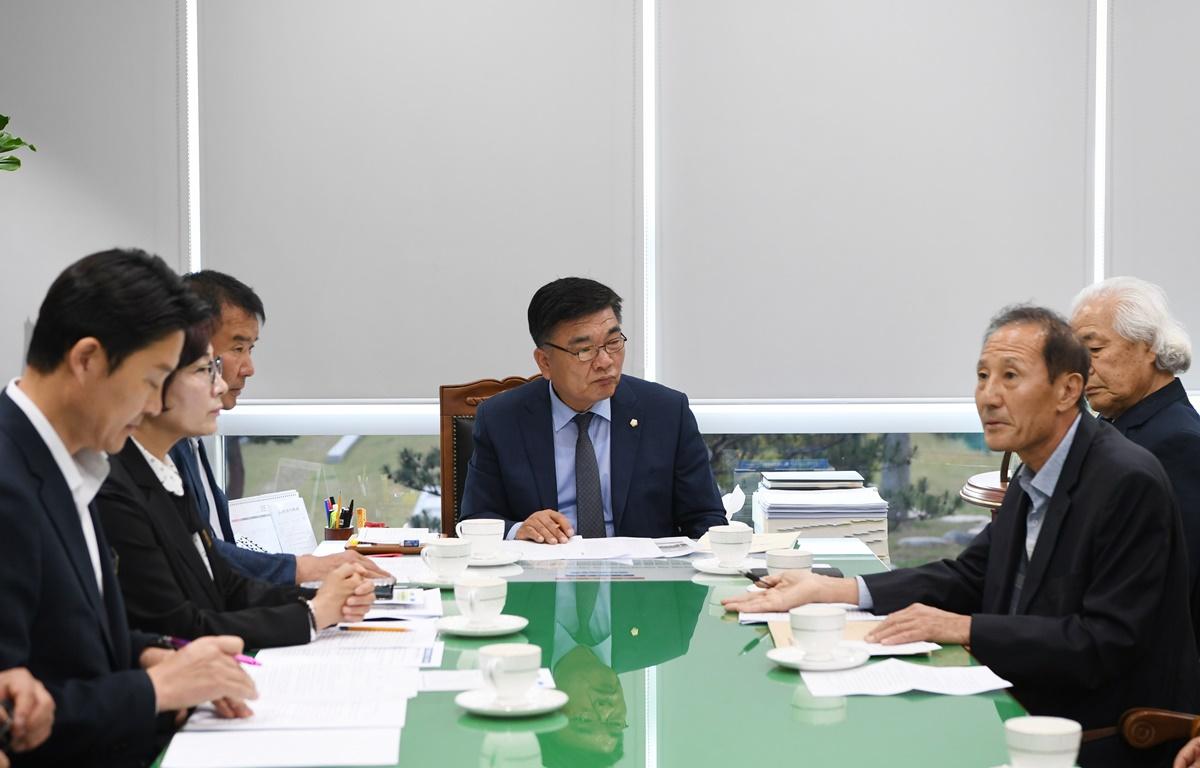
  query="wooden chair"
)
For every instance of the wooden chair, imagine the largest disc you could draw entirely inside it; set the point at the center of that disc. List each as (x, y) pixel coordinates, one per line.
(458, 403)
(1145, 727)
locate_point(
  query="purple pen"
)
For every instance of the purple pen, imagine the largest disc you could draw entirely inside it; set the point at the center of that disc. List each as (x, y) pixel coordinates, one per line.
(179, 642)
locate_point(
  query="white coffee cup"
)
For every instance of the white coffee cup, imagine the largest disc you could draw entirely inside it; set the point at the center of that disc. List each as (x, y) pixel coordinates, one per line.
(1042, 742)
(510, 669)
(780, 560)
(447, 558)
(817, 629)
(730, 543)
(480, 598)
(485, 536)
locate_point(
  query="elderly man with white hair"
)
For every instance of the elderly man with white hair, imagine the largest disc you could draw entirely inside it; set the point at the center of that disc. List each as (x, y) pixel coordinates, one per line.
(1137, 351)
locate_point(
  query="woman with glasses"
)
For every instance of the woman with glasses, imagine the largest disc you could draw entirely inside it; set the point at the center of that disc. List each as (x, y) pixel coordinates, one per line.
(173, 580)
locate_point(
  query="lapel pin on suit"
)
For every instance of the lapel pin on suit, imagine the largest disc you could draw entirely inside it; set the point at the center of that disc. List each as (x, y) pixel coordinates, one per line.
(633, 423)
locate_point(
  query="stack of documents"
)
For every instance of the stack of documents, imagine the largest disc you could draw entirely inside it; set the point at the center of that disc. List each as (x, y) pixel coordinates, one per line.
(812, 480)
(834, 512)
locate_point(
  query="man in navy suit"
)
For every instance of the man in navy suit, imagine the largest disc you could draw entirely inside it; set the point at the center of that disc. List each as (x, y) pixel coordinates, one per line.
(1137, 351)
(108, 333)
(586, 450)
(240, 313)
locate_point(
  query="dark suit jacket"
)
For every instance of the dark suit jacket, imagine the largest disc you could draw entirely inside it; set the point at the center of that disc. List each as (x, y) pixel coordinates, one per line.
(53, 619)
(1166, 424)
(166, 586)
(661, 481)
(274, 568)
(1102, 623)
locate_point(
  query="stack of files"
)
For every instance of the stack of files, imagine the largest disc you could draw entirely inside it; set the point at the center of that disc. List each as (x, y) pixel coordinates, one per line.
(838, 512)
(811, 480)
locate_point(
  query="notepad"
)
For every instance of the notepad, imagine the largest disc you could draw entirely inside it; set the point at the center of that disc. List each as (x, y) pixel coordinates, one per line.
(892, 677)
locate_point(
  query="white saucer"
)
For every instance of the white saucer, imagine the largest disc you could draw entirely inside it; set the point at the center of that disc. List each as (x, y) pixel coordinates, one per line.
(500, 558)
(501, 625)
(483, 702)
(712, 566)
(843, 658)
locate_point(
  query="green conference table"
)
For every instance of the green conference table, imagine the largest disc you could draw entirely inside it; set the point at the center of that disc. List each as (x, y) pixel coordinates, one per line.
(689, 686)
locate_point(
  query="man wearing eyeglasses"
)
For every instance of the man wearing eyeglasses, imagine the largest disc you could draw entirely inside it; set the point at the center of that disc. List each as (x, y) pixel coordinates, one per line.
(588, 451)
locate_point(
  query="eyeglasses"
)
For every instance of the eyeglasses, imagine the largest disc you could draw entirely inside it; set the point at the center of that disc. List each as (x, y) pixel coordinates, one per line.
(588, 354)
(214, 369)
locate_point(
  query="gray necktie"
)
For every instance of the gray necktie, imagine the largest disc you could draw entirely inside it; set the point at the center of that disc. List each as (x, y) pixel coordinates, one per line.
(589, 506)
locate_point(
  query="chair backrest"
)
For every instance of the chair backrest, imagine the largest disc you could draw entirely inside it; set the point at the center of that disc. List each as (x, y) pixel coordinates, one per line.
(458, 403)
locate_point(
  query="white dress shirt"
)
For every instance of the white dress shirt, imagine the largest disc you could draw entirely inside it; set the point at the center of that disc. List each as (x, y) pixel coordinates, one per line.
(84, 471)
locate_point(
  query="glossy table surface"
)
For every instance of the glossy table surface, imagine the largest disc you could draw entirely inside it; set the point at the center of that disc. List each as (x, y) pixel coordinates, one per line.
(676, 681)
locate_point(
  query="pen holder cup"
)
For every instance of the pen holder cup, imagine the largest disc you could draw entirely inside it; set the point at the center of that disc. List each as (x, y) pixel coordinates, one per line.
(338, 534)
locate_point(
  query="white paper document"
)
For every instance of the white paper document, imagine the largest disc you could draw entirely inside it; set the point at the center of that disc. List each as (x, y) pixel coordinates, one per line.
(891, 677)
(429, 608)
(274, 522)
(405, 649)
(853, 613)
(468, 680)
(313, 694)
(900, 649)
(843, 545)
(284, 749)
(675, 546)
(579, 548)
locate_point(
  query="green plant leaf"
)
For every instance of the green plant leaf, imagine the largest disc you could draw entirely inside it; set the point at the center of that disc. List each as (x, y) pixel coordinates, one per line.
(10, 163)
(8, 143)
(3, 121)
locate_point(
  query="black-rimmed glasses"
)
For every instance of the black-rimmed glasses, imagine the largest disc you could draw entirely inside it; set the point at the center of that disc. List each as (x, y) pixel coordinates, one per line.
(588, 354)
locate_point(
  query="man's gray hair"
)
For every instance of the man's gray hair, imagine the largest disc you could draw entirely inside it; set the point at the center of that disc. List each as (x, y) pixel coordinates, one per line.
(1140, 313)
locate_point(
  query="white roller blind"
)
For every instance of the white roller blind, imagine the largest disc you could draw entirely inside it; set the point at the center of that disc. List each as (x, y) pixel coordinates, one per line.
(849, 190)
(396, 178)
(1155, 158)
(96, 87)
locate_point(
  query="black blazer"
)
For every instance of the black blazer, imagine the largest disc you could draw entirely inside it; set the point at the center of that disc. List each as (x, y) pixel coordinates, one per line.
(54, 621)
(1102, 623)
(1166, 424)
(166, 586)
(662, 484)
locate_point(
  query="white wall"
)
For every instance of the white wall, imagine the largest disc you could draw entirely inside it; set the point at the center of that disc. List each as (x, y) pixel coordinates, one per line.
(96, 86)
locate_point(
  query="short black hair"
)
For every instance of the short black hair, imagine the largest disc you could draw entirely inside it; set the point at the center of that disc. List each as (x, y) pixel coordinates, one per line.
(196, 338)
(568, 298)
(125, 298)
(220, 289)
(1062, 351)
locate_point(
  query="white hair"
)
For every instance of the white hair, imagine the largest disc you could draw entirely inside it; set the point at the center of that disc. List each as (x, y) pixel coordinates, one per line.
(1140, 314)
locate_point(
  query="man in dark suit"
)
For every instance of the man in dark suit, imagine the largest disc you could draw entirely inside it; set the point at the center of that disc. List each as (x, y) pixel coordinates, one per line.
(108, 333)
(1077, 593)
(240, 314)
(1137, 351)
(586, 450)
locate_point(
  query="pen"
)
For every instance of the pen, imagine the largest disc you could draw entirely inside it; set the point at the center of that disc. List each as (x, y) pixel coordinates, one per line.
(179, 642)
(374, 629)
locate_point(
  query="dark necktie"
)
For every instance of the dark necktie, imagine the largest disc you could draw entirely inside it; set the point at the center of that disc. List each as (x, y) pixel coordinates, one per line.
(589, 505)
(586, 593)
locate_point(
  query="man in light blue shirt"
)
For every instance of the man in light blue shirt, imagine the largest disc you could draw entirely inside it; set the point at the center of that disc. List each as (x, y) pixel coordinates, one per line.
(588, 451)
